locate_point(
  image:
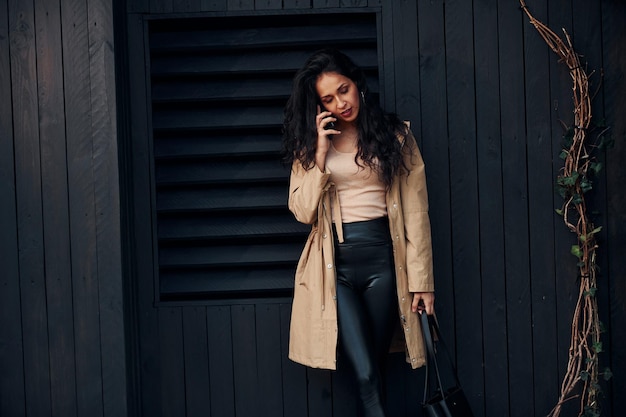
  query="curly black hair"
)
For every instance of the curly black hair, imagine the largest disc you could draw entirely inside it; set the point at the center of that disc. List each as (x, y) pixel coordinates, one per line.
(378, 145)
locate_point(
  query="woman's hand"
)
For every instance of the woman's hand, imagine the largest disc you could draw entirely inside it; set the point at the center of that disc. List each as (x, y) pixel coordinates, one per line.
(428, 300)
(323, 141)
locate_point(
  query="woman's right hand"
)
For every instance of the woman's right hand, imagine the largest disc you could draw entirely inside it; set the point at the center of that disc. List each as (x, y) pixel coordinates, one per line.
(323, 139)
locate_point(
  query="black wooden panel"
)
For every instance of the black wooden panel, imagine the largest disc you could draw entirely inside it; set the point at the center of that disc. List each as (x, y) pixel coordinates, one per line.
(293, 375)
(268, 349)
(140, 191)
(219, 87)
(221, 371)
(560, 15)
(195, 345)
(515, 200)
(245, 360)
(434, 138)
(75, 35)
(55, 209)
(464, 198)
(107, 206)
(172, 363)
(29, 209)
(406, 62)
(319, 392)
(12, 402)
(588, 42)
(489, 154)
(541, 214)
(614, 84)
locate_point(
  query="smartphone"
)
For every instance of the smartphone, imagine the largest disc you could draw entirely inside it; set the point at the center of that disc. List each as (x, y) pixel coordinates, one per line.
(329, 125)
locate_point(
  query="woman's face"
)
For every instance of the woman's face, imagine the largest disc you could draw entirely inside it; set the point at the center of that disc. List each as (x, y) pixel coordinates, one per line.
(339, 95)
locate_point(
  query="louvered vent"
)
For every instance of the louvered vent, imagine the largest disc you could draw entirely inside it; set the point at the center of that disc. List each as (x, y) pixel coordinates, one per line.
(219, 86)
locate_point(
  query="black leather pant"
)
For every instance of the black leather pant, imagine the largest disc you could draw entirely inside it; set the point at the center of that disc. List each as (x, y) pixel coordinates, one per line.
(366, 305)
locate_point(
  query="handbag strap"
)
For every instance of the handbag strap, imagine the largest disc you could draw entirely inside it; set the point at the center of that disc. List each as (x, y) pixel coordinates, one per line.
(428, 326)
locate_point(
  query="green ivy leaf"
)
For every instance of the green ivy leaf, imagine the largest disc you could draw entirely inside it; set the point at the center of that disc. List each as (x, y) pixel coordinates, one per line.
(585, 185)
(563, 154)
(596, 167)
(607, 374)
(559, 212)
(584, 375)
(576, 251)
(596, 230)
(597, 347)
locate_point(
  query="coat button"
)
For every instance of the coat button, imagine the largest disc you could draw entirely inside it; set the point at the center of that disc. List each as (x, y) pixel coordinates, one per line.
(397, 237)
(413, 360)
(324, 235)
(403, 298)
(395, 205)
(329, 266)
(400, 268)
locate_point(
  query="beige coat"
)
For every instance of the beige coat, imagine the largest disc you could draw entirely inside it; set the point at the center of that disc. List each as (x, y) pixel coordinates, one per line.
(313, 331)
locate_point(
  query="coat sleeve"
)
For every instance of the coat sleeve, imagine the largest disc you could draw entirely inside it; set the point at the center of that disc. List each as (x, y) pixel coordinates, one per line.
(306, 187)
(414, 197)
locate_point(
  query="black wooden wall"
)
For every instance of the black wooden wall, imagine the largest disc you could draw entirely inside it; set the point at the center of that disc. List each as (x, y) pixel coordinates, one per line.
(62, 343)
(78, 210)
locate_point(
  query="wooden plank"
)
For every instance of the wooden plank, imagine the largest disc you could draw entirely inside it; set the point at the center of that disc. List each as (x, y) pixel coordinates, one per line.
(268, 349)
(107, 206)
(320, 4)
(75, 35)
(221, 372)
(227, 255)
(541, 214)
(138, 192)
(297, 4)
(614, 84)
(245, 369)
(433, 136)
(464, 202)
(560, 16)
(172, 361)
(319, 392)
(293, 374)
(238, 5)
(353, 3)
(406, 57)
(267, 4)
(27, 156)
(55, 208)
(196, 351)
(12, 387)
(213, 5)
(491, 208)
(186, 5)
(515, 198)
(386, 63)
(396, 390)
(220, 172)
(207, 199)
(137, 6)
(587, 35)
(161, 6)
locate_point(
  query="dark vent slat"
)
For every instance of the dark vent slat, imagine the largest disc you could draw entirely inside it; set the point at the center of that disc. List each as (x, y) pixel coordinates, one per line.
(222, 198)
(216, 227)
(261, 37)
(216, 118)
(219, 172)
(222, 90)
(222, 256)
(217, 63)
(218, 145)
(228, 281)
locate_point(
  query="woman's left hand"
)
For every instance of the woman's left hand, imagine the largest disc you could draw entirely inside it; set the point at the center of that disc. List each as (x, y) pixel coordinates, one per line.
(428, 299)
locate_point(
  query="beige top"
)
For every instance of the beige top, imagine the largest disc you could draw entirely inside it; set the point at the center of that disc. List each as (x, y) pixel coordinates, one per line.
(360, 191)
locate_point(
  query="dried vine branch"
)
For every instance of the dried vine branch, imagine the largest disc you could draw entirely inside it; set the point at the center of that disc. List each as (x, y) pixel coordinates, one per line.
(573, 182)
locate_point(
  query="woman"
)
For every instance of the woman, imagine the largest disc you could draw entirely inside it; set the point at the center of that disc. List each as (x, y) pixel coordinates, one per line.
(358, 178)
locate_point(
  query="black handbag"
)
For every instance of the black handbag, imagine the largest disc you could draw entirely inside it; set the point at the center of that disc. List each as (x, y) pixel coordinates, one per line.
(440, 401)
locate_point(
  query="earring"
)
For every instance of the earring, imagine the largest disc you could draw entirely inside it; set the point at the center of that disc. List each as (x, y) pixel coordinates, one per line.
(363, 96)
